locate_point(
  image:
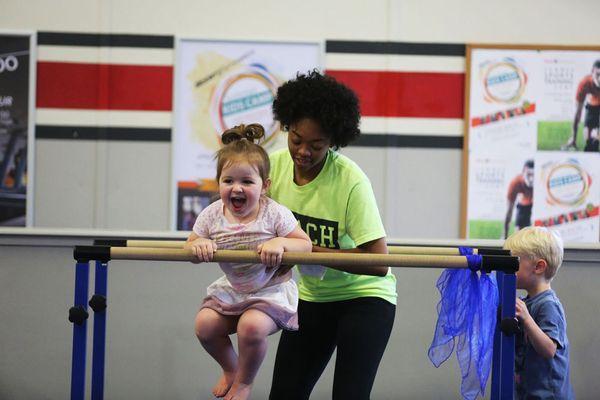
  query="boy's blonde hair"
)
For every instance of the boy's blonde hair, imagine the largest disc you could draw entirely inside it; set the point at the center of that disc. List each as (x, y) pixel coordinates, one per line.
(537, 242)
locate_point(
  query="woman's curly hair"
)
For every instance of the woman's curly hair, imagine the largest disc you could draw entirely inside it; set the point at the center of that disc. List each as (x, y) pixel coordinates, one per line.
(331, 104)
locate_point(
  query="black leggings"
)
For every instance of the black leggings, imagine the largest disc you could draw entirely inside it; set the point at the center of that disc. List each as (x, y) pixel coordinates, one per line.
(359, 328)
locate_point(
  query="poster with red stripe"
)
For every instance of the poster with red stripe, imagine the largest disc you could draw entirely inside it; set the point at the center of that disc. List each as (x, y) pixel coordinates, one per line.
(528, 110)
(218, 85)
(16, 133)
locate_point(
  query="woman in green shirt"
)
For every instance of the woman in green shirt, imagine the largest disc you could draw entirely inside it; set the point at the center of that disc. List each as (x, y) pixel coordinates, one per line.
(350, 309)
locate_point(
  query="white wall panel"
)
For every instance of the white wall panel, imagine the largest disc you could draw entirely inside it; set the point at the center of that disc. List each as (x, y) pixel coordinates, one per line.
(423, 193)
(138, 182)
(507, 21)
(65, 194)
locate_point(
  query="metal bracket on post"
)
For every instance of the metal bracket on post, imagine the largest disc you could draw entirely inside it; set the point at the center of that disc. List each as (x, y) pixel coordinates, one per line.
(88, 253)
(98, 303)
(78, 315)
(492, 251)
(506, 264)
(509, 326)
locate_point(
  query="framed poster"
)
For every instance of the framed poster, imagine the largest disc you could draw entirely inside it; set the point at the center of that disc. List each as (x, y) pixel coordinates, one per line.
(218, 85)
(531, 148)
(17, 84)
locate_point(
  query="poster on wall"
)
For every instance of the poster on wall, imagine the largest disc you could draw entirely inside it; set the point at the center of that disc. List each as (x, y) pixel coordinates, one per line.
(568, 194)
(532, 123)
(218, 85)
(16, 129)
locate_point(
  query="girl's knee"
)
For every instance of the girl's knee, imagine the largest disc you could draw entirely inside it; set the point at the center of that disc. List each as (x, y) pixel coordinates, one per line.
(206, 326)
(203, 332)
(251, 332)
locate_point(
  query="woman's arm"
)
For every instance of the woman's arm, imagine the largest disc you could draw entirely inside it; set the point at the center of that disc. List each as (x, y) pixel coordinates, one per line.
(378, 246)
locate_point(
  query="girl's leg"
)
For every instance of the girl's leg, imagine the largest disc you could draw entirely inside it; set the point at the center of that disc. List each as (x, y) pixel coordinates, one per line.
(213, 330)
(364, 328)
(252, 330)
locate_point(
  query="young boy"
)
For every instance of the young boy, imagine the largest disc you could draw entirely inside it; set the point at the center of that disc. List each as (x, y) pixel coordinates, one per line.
(542, 348)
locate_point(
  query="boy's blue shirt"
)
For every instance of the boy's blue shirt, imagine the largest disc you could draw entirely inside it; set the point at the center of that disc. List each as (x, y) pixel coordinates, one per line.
(539, 377)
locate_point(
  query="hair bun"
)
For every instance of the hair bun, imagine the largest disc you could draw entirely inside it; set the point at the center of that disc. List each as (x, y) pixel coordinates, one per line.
(231, 135)
(252, 133)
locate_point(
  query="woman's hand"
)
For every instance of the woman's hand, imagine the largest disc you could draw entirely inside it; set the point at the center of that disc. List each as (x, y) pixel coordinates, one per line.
(202, 248)
(271, 252)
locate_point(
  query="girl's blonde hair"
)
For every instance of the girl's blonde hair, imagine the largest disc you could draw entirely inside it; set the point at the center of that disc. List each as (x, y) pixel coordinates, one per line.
(537, 242)
(239, 145)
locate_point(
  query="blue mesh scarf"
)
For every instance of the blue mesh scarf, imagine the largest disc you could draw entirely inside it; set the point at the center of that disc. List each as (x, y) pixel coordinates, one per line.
(467, 315)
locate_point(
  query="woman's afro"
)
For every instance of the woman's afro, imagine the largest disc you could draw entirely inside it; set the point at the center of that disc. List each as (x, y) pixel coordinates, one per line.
(321, 98)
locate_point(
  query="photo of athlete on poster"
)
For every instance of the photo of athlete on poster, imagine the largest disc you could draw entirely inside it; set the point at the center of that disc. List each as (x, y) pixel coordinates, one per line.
(520, 192)
(569, 106)
(588, 97)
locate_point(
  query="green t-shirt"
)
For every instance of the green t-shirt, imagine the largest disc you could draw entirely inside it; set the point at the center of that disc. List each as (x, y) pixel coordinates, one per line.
(337, 210)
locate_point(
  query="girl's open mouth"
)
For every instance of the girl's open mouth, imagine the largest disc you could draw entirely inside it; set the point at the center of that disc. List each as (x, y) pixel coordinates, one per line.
(238, 202)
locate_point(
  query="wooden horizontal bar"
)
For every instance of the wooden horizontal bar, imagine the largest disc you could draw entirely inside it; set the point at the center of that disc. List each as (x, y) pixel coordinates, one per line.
(174, 244)
(327, 259)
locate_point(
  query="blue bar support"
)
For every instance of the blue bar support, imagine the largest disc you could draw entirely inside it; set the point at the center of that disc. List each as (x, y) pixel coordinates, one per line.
(503, 360)
(99, 344)
(507, 370)
(82, 272)
(497, 355)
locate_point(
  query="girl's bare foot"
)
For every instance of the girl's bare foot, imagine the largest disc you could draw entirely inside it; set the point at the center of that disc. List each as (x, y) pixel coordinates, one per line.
(223, 385)
(239, 391)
